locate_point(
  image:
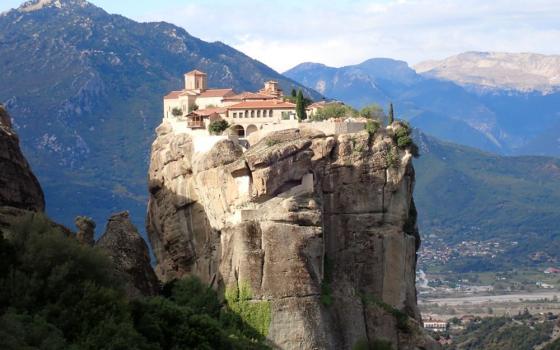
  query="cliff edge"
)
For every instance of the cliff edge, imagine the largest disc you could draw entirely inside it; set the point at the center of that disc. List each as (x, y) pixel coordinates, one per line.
(19, 187)
(310, 238)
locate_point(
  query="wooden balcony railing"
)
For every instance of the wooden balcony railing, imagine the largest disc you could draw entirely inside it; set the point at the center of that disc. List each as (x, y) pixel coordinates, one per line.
(195, 124)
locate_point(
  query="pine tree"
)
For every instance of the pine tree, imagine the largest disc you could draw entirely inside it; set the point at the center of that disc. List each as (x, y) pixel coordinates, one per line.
(300, 106)
(391, 117)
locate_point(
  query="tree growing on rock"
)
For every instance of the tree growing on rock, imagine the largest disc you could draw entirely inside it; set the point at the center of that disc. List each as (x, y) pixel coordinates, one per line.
(217, 127)
(300, 106)
(391, 115)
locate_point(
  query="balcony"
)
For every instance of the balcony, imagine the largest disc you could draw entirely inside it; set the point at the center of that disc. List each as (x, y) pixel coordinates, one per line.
(194, 124)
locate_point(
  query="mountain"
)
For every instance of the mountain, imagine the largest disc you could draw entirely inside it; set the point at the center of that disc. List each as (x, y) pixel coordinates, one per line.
(465, 194)
(85, 92)
(501, 120)
(525, 72)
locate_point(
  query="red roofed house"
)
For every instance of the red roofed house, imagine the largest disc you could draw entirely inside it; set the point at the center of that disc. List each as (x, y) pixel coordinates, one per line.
(195, 106)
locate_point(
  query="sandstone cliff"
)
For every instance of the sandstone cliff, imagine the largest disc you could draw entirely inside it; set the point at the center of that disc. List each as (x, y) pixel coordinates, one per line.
(311, 239)
(19, 188)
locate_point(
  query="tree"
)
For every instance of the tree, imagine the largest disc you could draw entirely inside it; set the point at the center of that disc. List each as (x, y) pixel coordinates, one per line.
(373, 111)
(300, 106)
(294, 93)
(177, 112)
(218, 126)
(193, 107)
(391, 115)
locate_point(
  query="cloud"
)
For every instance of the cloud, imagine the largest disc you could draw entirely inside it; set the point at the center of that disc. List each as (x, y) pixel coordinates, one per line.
(285, 33)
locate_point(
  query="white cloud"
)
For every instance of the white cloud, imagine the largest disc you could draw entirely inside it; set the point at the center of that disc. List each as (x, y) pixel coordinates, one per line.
(283, 34)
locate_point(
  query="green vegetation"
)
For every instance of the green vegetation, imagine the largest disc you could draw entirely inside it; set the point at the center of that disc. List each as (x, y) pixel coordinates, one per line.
(391, 114)
(392, 158)
(404, 139)
(326, 290)
(193, 108)
(272, 142)
(255, 313)
(372, 126)
(300, 106)
(177, 112)
(373, 111)
(56, 293)
(513, 198)
(400, 317)
(335, 110)
(497, 333)
(377, 344)
(217, 127)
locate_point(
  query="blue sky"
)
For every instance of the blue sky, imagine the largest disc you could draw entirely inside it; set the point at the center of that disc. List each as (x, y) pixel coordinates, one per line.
(285, 33)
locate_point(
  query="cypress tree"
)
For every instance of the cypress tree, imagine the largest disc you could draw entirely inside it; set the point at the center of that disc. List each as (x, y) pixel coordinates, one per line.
(391, 117)
(300, 106)
(294, 93)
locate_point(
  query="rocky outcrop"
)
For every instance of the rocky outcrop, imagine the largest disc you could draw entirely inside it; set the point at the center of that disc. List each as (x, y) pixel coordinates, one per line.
(316, 233)
(86, 230)
(19, 188)
(129, 252)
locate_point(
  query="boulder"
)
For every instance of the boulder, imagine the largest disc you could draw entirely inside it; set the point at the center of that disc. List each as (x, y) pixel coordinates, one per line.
(129, 253)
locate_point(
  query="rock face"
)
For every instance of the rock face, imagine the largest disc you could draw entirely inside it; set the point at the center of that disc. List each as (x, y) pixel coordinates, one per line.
(317, 232)
(122, 242)
(19, 188)
(86, 230)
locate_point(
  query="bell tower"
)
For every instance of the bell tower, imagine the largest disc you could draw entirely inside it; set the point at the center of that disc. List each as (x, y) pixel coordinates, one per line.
(196, 80)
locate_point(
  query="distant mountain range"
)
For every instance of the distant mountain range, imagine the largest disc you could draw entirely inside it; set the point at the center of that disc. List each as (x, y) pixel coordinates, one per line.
(85, 90)
(444, 101)
(495, 71)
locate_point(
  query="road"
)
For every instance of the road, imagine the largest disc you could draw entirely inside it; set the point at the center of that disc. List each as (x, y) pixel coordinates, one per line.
(481, 299)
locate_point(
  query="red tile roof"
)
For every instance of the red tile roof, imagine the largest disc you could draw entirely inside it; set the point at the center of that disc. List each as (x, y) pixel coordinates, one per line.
(249, 96)
(217, 93)
(209, 111)
(173, 95)
(268, 104)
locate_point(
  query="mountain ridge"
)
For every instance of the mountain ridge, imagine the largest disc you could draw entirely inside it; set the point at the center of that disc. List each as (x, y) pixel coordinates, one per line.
(490, 71)
(85, 91)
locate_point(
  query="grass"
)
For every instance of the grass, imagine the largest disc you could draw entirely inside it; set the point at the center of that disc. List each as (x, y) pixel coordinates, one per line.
(256, 313)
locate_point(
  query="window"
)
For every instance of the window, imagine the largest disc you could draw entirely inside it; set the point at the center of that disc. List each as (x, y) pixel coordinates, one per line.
(259, 113)
(252, 114)
(246, 114)
(270, 113)
(234, 114)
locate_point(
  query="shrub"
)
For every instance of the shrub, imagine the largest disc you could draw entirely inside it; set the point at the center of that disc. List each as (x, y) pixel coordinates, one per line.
(404, 139)
(177, 112)
(372, 126)
(255, 313)
(217, 127)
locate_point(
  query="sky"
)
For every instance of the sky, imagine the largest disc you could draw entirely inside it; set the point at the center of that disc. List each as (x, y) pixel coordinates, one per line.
(285, 33)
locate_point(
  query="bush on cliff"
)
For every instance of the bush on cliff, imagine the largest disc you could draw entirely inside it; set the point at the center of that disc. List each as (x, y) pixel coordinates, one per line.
(56, 293)
(217, 127)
